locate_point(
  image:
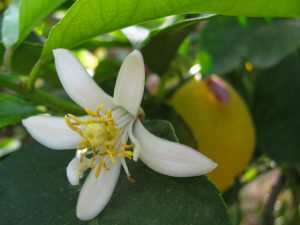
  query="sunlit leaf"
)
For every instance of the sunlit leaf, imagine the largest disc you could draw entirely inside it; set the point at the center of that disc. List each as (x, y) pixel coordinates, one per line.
(88, 18)
(21, 16)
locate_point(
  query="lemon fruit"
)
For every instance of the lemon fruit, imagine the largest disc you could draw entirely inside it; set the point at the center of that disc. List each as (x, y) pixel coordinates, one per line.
(221, 125)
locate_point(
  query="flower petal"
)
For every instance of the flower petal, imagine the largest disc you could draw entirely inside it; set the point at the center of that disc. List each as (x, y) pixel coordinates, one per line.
(130, 83)
(75, 168)
(97, 191)
(170, 158)
(78, 83)
(51, 131)
(73, 171)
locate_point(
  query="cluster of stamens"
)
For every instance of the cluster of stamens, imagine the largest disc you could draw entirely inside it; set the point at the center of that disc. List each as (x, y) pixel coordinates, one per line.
(100, 139)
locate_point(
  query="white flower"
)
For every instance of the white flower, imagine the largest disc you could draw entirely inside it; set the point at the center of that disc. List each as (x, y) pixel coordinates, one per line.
(102, 135)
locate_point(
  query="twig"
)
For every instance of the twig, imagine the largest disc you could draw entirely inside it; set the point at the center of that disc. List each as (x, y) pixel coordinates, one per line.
(268, 212)
(40, 96)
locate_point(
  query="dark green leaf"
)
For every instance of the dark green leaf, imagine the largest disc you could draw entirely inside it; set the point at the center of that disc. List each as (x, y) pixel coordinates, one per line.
(277, 110)
(161, 128)
(13, 109)
(164, 42)
(21, 16)
(236, 80)
(227, 42)
(88, 18)
(155, 110)
(25, 57)
(33, 180)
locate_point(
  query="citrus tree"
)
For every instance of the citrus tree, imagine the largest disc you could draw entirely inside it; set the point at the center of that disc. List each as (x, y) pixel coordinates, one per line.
(162, 93)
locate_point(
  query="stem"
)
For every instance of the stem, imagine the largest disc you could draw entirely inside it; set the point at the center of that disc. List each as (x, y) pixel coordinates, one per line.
(7, 59)
(34, 73)
(268, 212)
(40, 96)
(55, 103)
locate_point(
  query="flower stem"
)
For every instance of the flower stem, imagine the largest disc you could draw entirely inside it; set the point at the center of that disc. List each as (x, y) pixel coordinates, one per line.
(34, 73)
(40, 96)
(6, 66)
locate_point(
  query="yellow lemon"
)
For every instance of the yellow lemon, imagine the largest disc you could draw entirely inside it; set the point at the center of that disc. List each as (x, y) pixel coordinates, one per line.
(221, 125)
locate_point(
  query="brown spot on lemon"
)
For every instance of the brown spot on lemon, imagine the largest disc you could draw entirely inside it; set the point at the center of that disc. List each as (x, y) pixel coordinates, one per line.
(221, 125)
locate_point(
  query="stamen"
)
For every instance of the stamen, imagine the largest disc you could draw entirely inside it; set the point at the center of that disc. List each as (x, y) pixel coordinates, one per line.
(126, 146)
(82, 157)
(91, 163)
(77, 120)
(102, 138)
(123, 162)
(70, 124)
(101, 163)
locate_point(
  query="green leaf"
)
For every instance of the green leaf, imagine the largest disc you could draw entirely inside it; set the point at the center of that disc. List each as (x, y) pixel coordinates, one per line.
(277, 109)
(155, 109)
(164, 42)
(226, 43)
(38, 185)
(9, 145)
(13, 109)
(25, 57)
(88, 18)
(161, 128)
(21, 16)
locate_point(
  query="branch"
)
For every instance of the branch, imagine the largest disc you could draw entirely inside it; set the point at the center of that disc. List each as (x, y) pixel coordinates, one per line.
(268, 212)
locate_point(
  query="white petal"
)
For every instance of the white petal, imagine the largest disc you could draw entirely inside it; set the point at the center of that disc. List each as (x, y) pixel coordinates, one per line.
(130, 83)
(78, 83)
(73, 171)
(97, 191)
(170, 158)
(51, 131)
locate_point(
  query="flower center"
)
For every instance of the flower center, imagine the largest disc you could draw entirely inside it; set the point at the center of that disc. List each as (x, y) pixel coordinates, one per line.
(101, 139)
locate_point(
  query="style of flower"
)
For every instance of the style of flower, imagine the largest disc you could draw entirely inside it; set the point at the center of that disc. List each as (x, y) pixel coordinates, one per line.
(102, 135)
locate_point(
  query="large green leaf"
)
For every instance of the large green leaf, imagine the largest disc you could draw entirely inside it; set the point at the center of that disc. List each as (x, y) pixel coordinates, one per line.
(21, 16)
(88, 18)
(227, 42)
(38, 188)
(164, 42)
(277, 109)
(13, 109)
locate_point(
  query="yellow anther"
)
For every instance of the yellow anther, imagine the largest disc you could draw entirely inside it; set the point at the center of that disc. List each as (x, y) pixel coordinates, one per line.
(82, 156)
(90, 112)
(71, 125)
(100, 164)
(76, 119)
(81, 147)
(108, 113)
(112, 159)
(99, 108)
(91, 162)
(128, 153)
(126, 146)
